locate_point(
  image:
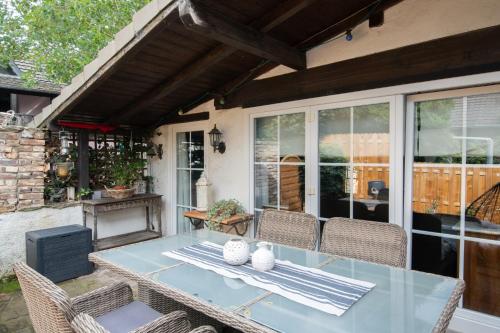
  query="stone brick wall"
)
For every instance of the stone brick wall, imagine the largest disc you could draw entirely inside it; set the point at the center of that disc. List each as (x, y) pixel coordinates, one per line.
(22, 163)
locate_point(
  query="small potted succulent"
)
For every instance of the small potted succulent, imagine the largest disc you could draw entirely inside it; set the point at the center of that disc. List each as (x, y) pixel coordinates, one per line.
(221, 210)
(125, 170)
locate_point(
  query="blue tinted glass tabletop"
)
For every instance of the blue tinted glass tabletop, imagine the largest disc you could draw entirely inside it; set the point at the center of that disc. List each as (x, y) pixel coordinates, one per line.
(402, 300)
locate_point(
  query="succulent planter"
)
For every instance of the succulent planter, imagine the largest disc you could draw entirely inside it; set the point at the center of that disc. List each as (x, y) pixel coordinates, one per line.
(120, 193)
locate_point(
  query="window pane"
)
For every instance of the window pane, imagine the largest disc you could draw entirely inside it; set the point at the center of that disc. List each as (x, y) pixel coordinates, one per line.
(371, 133)
(436, 198)
(183, 150)
(183, 224)
(482, 276)
(334, 135)
(483, 129)
(438, 255)
(195, 175)
(266, 139)
(371, 193)
(292, 136)
(266, 186)
(183, 191)
(438, 131)
(292, 187)
(197, 144)
(334, 191)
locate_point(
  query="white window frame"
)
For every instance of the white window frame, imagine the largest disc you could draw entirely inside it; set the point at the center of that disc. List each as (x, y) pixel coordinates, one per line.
(182, 128)
(311, 151)
(467, 316)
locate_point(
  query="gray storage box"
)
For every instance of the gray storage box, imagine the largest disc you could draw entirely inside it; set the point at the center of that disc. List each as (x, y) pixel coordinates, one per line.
(60, 253)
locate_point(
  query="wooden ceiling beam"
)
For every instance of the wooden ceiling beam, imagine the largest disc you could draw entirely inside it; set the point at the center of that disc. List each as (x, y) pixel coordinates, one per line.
(201, 18)
(266, 23)
(348, 22)
(458, 55)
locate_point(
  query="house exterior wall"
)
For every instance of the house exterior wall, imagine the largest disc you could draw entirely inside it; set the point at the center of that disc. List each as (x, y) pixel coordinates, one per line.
(410, 22)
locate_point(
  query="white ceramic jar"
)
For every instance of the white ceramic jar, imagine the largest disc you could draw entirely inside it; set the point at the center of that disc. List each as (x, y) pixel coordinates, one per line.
(263, 257)
(236, 251)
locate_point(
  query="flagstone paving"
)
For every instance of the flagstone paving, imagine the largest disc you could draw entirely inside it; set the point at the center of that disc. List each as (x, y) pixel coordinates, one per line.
(14, 314)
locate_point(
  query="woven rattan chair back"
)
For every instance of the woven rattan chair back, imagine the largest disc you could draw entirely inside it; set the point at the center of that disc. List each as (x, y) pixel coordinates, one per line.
(445, 317)
(377, 242)
(288, 228)
(49, 306)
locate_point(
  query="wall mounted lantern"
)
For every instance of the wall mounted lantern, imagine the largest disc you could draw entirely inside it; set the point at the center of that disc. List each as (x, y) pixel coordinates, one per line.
(155, 150)
(64, 137)
(215, 140)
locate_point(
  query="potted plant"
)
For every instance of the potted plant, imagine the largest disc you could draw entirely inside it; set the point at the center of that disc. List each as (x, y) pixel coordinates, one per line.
(221, 210)
(126, 169)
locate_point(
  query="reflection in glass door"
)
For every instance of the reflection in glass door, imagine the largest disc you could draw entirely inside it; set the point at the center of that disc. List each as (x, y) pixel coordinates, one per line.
(279, 162)
(455, 199)
(190, 165)
(353, 158)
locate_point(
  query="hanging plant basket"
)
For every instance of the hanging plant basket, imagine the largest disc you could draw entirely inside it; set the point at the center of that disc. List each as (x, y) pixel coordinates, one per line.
(120, 193)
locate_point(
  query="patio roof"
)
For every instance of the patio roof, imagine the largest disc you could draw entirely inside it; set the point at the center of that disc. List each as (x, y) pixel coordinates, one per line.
(176, 55)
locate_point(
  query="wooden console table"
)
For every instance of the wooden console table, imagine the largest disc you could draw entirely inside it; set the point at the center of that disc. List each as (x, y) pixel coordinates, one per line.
(235, 224)
(152, 202)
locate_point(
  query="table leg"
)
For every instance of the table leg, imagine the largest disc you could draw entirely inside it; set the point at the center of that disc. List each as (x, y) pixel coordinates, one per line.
(84, 216)
(148, 222)
(95, 227)
(158, 215)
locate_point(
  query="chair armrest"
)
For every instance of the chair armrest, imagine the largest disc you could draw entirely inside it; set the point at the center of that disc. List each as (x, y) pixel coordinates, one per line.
(83, 323)
(204, 329)
(103, 300)
(174, 322)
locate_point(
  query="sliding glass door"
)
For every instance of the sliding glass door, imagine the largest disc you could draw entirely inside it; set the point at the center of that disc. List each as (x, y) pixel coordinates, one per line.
(329, 161)
(189, 166)
(454, 173)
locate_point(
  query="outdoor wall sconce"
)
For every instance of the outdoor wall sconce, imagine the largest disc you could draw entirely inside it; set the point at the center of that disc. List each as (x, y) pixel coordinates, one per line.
(215, 140)
(64, 141)
(155, 150)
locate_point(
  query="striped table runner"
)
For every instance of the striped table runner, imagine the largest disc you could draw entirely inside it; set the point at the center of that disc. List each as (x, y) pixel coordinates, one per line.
(324, 291)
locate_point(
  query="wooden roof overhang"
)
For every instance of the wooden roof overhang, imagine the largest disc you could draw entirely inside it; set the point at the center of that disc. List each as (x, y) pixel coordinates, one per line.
(179, 54)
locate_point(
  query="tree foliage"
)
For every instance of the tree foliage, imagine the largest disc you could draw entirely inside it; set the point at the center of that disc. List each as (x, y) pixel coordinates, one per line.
(60, 36)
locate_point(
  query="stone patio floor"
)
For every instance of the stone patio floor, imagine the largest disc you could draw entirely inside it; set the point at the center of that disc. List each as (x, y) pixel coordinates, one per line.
(14, 314)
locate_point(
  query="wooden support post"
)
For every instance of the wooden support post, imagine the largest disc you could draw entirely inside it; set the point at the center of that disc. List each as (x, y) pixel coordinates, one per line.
(83, 159)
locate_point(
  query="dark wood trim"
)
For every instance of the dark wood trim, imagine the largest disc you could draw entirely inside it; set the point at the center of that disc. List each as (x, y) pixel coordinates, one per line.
(463, 54)
(83, 159)
(347, 23)
(187, 118)
(201, 18)
(376, 20)
(278, 15)
(28, 92)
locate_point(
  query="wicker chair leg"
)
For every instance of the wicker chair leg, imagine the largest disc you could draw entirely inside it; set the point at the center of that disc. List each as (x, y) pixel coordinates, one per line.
(165, 304)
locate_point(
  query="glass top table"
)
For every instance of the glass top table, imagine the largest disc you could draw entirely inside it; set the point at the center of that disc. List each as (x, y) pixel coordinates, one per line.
(402, 300)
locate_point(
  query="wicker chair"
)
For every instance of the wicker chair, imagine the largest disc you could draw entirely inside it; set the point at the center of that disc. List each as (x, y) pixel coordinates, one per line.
(445, 317)
(51, 309)
(288, 228)
(377, 242)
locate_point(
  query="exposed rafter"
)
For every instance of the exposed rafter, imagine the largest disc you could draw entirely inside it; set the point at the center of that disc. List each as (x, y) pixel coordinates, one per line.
(201, 18)
(266, 23)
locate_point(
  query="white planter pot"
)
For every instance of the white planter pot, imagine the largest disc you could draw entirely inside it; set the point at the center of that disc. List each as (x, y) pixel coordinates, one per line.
(236, 252)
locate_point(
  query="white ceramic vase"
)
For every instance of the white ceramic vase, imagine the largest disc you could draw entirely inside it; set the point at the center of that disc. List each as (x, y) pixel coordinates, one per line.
(236, 252)
(263, 257)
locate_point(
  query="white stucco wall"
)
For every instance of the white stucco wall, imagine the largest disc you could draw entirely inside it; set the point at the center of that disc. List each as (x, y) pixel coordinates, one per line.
(409, 22)
(13, 227)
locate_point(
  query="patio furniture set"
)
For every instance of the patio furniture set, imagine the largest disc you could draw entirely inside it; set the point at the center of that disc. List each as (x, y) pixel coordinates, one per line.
(175, 294)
